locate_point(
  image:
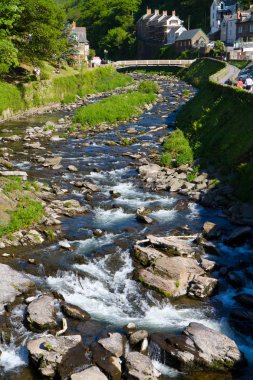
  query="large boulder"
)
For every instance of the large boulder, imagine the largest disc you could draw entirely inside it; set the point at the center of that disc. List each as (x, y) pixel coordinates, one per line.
(57, 355)
(41, 313)
(199, 347)
(140, 367)
(211, 231)
(202, 287)
(115, 343)
(92, 373)
(173, 245)
(53, 161)
(171, 275)
(12, 284)
(104, 359)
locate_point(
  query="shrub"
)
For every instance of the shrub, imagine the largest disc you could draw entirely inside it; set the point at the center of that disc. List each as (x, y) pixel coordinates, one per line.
(176, 149)
(148, 87)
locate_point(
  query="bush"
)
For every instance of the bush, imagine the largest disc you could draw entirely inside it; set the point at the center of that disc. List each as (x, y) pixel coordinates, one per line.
(176, 150)
(148, 87)
(8, 56)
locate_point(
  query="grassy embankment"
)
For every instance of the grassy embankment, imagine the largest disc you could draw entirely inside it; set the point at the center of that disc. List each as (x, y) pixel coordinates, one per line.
(19, 206)
(218, 123)
(15, 98)
(117, 108)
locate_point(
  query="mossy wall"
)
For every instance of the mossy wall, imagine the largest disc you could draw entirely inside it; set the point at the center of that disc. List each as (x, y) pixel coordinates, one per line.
(219, 125)
(16, 98)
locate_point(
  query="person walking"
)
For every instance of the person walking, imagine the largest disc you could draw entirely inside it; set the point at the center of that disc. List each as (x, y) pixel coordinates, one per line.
(249, 84)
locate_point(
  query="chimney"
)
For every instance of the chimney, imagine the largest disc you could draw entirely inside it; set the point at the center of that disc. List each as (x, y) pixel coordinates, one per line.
(157, 12)
(73, 25)
(148, 11)
(165, 13)
(174, 13)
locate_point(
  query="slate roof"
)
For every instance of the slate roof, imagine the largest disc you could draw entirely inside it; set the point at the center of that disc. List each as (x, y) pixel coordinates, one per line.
(80, 33)
(189, 34)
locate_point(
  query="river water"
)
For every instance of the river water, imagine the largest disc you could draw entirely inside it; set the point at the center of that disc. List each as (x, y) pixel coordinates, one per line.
(97, 273)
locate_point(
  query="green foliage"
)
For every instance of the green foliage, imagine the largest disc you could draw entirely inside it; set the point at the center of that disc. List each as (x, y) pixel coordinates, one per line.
(128, 141)
(113, 109)
(176, 150)
(241, 64)
(10, 98)
(199, 72)
(219, 133)
(219, 48)
(148, 87)
(191, 176)
(39, 30)
(13, 183)
(8, 55)
(28, 211)
(9, 13)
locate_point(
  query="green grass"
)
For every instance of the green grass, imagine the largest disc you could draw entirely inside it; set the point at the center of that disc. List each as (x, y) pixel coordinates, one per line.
(240, 64)
(28, 211)
(113, 109)
(16, 183)
(59, 88)
(199, 72)
(176, 150)
(218, 124)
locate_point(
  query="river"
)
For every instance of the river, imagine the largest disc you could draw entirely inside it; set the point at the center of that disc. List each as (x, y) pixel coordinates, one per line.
(97, 273)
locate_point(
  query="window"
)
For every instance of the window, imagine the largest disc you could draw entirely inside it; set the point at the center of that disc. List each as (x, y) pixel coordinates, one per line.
(240, 29)
(251, 28)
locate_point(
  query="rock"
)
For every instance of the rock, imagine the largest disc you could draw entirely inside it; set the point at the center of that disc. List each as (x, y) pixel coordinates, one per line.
(146, 255)
(41, 313)
(115, 344)
(131, 131)
(202, 287)
(175, 185)
(172, 244)
(200, 347)
(245, 299)
(140, 367)
(207, 265)
(142, 216)
(151, 170)
(14, 173)
(32, 237)
(64, 244)
(238, 236)
(75, 312)
(171, 275)
(53, 355)
(92, 373)
(54, 161)
(72, 168)
(12, 284)
(137, 337)
(211, 231)
(242, 321)
(110, 364)
(211, 248)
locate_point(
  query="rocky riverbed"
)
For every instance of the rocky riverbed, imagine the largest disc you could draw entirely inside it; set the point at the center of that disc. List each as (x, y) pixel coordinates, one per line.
(128, 274)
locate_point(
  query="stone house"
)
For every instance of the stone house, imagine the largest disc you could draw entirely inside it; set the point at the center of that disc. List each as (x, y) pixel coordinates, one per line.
(244, 26)
(228, 28)
(191, 39)
(82, 46)
(219, 9)
(159, 29)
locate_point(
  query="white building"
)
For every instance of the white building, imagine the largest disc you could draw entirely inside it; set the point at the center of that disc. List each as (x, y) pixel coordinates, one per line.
(219, 9)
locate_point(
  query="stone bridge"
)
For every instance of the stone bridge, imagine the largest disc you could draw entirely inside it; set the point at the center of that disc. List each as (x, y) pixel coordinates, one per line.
(154, 62)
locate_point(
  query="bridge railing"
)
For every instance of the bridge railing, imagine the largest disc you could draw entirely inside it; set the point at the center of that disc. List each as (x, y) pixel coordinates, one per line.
(155, 62)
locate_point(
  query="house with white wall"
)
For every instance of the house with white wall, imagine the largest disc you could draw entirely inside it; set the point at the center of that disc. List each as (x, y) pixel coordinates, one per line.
(219, 9)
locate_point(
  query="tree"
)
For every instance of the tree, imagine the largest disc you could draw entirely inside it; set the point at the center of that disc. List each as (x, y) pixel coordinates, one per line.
(219, 48)
(8, 56)
(9, 13)
(39, 31)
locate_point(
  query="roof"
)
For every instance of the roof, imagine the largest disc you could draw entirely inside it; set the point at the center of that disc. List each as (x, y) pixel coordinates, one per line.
(189, 34)
(80, 33)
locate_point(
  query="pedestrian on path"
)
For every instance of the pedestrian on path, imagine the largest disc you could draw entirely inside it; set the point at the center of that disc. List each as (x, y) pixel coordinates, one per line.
(249, 84)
